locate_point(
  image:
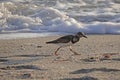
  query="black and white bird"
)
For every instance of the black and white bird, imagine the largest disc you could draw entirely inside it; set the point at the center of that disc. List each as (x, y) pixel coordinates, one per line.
(67, 40)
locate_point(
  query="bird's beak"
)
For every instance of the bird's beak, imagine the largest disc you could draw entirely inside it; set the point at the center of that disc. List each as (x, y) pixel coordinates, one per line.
(84, 36)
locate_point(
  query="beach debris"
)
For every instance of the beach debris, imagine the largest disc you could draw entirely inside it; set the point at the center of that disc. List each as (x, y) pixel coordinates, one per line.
(103, 56)
(24, 75)
(22, 47)
(96, 57)
(38, 46)
(108, 55)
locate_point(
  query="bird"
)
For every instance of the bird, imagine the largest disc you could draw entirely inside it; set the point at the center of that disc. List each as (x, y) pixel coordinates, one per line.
(67, 40)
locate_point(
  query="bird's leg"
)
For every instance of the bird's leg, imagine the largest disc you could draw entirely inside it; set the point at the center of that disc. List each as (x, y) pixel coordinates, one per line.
(57, 51)
(73, 51)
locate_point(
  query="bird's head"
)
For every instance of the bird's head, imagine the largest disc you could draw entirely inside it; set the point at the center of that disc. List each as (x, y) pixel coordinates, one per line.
(81, 34)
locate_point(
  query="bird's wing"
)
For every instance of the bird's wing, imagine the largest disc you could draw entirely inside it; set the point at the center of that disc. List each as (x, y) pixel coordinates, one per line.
(63, 39)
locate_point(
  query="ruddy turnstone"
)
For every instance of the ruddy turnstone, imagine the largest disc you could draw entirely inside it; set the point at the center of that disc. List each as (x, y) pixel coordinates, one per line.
(67, 40)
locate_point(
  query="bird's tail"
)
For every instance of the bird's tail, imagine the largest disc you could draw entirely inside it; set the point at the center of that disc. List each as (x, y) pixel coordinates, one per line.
(51, 42)
(48, 42)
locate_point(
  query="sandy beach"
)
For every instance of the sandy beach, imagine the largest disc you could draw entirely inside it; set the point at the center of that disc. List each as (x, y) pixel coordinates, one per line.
(33, 59)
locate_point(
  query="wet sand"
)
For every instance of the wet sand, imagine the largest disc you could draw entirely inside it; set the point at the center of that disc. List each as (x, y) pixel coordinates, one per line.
(33, 59)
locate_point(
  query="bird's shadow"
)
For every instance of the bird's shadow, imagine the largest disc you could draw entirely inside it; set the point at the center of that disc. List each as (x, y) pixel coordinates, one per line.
(116, 59)
(30, 55)
(27, 59)
(82, 71)
(92, 60)
(20, 67)
(82, 78)
(3, 60)
(21, 61)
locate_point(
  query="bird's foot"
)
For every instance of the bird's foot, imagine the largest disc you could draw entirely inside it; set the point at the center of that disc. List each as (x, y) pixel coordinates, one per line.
(56, 54)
